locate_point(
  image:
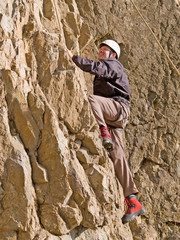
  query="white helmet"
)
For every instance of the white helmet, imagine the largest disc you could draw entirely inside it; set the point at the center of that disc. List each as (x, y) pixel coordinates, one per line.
(113, 45)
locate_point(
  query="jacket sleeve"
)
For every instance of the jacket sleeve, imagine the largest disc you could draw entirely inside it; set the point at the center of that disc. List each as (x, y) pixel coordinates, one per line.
(100, 69)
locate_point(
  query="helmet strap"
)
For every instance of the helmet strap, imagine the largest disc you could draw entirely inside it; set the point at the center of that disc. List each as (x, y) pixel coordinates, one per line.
(110, 53)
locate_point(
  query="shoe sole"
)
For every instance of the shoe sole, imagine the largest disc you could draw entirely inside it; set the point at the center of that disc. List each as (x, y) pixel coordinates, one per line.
(108, 146)
(140, 212)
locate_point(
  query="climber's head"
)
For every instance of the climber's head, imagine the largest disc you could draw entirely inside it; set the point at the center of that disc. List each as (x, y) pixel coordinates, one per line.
(108, 48)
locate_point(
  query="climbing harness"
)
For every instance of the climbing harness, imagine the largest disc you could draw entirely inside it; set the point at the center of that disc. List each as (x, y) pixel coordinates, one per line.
(155, 38)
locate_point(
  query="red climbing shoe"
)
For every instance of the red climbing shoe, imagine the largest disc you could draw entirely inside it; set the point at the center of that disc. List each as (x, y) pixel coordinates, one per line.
(107, 140)
(134, 209)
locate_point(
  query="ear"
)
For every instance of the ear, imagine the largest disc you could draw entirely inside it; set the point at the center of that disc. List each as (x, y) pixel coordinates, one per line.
(113, 55)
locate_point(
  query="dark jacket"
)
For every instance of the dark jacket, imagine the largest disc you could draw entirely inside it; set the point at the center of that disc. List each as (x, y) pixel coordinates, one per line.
(110, 78)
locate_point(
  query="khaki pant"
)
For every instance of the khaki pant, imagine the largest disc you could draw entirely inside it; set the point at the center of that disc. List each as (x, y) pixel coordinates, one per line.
(109, 112)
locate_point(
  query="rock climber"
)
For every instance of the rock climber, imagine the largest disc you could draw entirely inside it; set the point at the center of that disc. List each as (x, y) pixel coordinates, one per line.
(110, 106)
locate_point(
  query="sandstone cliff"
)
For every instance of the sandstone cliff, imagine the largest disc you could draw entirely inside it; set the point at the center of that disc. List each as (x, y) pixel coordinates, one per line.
(56, 180)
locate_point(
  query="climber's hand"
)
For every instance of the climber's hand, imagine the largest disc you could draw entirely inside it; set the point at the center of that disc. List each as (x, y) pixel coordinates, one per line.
(69, 53)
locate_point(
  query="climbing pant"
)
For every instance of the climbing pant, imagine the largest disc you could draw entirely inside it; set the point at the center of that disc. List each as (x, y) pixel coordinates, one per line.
(109, 112)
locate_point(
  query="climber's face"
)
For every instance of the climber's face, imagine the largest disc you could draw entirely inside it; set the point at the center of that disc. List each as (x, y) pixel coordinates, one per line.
(103, 53)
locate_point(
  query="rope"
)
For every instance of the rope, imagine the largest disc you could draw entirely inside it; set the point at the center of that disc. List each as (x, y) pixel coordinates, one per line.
(56, 12)
(155, 38)
(59, 23)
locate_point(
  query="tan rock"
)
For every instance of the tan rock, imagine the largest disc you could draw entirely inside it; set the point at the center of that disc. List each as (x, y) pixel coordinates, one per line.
(56, 180)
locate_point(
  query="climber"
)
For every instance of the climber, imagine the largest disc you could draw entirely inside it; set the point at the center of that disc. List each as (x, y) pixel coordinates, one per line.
(110, 106)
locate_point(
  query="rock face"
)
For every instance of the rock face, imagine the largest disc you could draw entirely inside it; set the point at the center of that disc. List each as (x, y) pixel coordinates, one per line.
(56, 180)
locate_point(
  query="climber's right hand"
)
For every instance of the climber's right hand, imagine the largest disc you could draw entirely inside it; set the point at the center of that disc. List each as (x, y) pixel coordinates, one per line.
(70, 54)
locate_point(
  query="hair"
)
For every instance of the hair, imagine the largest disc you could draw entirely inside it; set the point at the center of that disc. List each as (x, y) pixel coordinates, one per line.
(112, 51)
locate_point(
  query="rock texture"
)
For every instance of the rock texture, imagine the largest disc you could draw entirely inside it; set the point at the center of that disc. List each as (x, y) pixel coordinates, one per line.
(56, 180)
